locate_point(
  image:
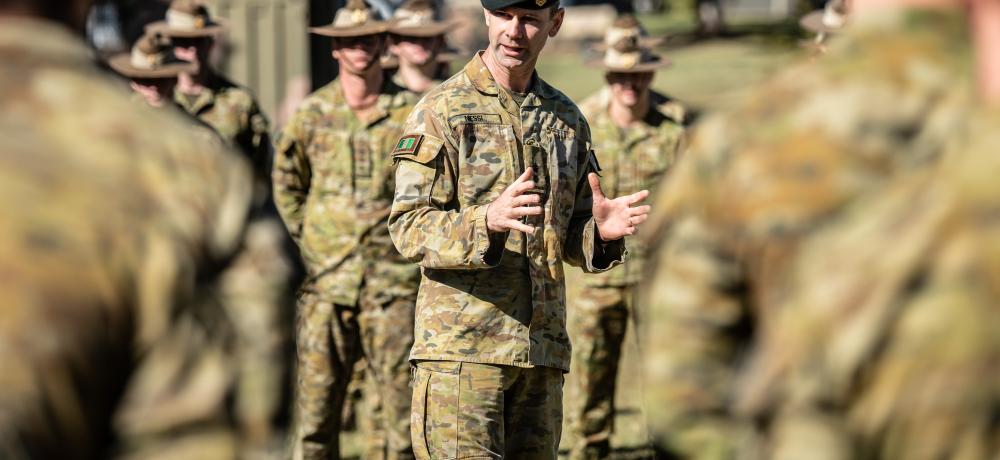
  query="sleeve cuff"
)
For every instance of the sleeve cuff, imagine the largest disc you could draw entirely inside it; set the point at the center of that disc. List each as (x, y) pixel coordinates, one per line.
(601, 256)
(489, 247)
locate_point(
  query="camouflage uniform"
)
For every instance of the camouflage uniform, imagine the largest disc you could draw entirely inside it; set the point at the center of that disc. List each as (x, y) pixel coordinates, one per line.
(266, 264)
(888, 98)
(334, 183)
(634, 159)
(887, 346)
(492, 303)
(116, 225)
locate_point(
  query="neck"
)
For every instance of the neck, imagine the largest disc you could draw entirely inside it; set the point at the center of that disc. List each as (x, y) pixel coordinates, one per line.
(192, 84)
(361, 90)
(418, 78)
(625, 115)
(517, 79)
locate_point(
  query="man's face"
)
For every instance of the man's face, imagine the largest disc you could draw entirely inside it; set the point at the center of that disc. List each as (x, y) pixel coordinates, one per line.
(156, 91)
(517, 35)
(358, 54)
(417, 51)
(628, 89)
(194, 50)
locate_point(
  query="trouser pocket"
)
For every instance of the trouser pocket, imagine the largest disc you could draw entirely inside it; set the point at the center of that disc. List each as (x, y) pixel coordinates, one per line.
(434, 421)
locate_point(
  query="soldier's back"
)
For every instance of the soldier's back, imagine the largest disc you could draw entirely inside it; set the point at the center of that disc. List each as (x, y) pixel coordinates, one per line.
(111, 227)
(886, 348)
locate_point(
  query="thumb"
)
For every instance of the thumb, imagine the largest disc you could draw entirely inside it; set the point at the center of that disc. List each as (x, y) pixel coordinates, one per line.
(525, 176)
(595, 186)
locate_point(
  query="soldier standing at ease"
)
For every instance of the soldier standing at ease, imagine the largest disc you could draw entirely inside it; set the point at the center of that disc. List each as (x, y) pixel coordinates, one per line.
(259, 290)
(334, 181)
(417, 44)
(115, 225)
(638, 142)
(774, 170)
(496, 187)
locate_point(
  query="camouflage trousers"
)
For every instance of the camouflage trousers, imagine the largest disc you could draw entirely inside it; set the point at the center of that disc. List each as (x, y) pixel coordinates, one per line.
(331, 338)
(485, 411)
(258, 295)
(599, 319)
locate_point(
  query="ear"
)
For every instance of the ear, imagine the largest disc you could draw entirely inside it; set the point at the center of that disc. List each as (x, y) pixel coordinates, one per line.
(557, 20)
(486, 15)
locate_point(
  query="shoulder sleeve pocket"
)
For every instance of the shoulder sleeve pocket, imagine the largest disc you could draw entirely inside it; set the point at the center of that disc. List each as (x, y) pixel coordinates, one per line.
(421, 148)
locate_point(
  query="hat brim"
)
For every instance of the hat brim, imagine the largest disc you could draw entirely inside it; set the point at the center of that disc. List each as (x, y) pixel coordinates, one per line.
(645, 42)
(209, 30)
(122, 64)
(657, 63)
(813, 22)
(434, 29)
(371, 28)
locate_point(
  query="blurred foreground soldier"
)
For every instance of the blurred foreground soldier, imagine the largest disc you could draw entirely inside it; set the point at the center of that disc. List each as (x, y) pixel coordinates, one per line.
(417, 43)
(638, 143)
(825, 23)
(115, 227)
(496, 188)
(230, 109)
(257, 289)
(334, 183)
(893, 96)
(887, 347)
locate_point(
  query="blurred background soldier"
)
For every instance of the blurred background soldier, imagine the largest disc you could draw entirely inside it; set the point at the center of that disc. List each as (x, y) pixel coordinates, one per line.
(893, 95)
(417, 46)
(116, 225)
(152, 69)
(825, 23)
(268, 264)
(637, 143)
(333, 185)
(230, 109)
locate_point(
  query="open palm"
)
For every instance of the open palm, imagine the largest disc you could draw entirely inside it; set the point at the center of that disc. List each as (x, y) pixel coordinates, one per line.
(619, 217)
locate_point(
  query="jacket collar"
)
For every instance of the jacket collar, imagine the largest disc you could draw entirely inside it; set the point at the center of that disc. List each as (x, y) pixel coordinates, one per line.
(483, 80)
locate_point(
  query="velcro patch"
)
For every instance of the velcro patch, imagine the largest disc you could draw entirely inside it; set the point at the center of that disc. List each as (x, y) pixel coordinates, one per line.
(476, 119)
(408, 144)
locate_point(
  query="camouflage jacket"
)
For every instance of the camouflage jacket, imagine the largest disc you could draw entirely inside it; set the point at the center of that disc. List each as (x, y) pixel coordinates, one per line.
(889, 336)
(334, 183)
(232, 111)
(632, 159)
(892, 95)
(494, 298)
(115, 225)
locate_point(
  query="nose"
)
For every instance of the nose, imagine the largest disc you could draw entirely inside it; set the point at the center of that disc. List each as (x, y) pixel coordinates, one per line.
(515, 28)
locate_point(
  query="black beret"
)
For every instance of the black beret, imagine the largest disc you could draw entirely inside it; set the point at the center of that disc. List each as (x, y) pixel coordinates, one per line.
(493, 5)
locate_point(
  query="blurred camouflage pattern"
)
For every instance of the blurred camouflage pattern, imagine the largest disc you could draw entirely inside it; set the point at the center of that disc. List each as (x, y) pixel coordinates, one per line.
(334, 183)
(118, 224)
(891, 97)
(886, 348)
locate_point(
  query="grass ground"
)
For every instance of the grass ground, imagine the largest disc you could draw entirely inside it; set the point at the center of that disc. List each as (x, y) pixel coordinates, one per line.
(707, 75)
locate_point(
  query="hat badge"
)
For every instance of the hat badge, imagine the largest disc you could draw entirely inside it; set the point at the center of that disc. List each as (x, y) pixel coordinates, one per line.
(540, 2)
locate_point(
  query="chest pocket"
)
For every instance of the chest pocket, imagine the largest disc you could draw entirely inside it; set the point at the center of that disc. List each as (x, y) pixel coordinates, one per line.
(486, 161)
(563, 168)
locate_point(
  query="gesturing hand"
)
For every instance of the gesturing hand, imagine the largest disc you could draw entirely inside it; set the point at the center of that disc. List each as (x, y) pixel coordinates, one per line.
(616, 218)
(504, 213)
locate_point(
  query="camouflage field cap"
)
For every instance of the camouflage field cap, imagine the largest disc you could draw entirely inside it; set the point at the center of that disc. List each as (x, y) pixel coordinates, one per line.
(356, 19)
(151, 57)
(187, 19)
(624, 50)
(415, 18)
(831, 19)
